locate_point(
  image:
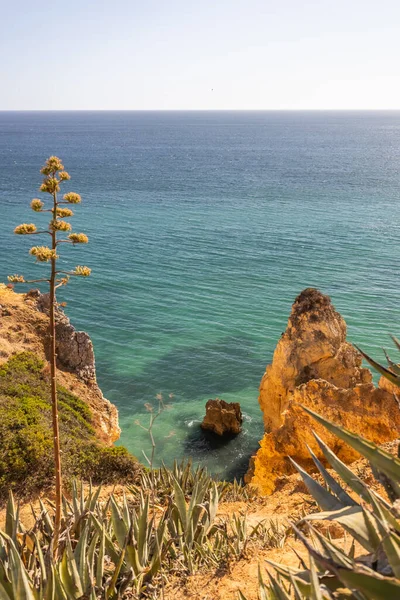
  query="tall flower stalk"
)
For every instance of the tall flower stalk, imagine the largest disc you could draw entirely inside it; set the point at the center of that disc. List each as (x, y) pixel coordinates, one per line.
(54, 177)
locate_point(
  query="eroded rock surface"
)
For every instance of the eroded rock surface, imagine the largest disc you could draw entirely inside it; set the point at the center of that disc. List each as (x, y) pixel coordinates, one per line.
(74, 348)
(24, 326)
(314, 365)
(223, 418)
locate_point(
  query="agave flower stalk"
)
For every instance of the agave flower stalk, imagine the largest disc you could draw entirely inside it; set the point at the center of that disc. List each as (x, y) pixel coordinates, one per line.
(54, 176)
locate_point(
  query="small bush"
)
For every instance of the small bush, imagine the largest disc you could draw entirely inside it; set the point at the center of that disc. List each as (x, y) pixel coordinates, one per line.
(26, 457)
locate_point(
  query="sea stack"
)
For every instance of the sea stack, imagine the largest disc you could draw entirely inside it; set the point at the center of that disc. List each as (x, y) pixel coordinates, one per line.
(223, 418)
(313, 365)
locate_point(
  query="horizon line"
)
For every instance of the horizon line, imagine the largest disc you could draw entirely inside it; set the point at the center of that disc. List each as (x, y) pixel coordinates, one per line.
(4, 110)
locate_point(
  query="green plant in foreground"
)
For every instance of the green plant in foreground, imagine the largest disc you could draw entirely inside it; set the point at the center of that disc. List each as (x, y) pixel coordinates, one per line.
(123, 548)
(371, 521)
(54, 176)
(392, 371)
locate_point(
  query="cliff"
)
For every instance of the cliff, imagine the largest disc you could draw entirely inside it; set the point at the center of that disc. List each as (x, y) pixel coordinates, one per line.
(314, 365)
(24, 327)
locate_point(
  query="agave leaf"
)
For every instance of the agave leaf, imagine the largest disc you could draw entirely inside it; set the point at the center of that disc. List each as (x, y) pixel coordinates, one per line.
(119, 526)
(392, 377)
(43, 573)
(278, 589)
(384, 511)
(302, 578)
(107, 540)
(296, 589)
(241, 596)
(100, 559)
(59, 590)
(158, 554)
(213, 505)
(109, 592)
(352, 519)
(325, 499)
(92, 499)
(371, 584)
(315, 589)
(5, 582)
(46, 519)
(142, 531)
(11, 518)
(382, 460)
(364, 582)
(180, 503)
(75, 501)
(6, 592)
(261, 586)
(390, 541)
(21, 586)
(69, 575)
(352, 480)
(125, 512)
(332, 483)
(81, 547)
(396, 341)
(392, 365)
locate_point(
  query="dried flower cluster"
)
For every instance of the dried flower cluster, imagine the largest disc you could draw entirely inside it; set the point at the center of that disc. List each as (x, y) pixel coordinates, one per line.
(72, 198)
(37, 205)
(60, 226)
(16, 279)
(64, 212)
(50, 185)
(25, 229)
(54, 175)
(43, 253)
(78, 238)
(82, 271)
(52, 165)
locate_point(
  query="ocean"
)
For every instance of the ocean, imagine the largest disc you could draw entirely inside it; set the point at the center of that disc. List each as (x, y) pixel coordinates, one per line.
(204, 227)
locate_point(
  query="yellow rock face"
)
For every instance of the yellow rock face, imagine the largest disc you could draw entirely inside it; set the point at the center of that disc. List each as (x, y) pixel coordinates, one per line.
(313, 365)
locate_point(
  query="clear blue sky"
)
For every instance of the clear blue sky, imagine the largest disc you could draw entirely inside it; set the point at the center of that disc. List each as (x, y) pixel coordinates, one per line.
(221, 54)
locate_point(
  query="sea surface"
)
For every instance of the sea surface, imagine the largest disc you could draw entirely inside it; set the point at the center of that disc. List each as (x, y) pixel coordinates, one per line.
(204, 227)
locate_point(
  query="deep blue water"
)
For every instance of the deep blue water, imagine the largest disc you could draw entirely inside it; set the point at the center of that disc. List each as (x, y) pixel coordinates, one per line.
(203, 228)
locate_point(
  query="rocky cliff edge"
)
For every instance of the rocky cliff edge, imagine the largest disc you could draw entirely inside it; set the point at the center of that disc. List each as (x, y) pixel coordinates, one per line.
(24, 326)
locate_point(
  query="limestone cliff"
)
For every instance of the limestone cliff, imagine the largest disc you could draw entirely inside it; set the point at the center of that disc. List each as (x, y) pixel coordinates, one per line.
(24, 326)
(314, 365)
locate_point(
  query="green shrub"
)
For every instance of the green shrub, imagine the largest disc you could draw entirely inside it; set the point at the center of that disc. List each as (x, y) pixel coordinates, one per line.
(26, 457)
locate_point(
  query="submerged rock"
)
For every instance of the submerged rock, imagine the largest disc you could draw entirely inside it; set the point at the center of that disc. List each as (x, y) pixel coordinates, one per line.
(223, 418)
(314, 365)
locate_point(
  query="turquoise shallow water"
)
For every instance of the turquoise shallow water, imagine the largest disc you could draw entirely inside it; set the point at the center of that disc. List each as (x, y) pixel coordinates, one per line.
(203, 228)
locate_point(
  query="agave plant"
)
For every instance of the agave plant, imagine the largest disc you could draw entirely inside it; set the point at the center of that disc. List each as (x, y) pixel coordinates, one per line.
(372, 521)
(392, 371)
(121, 548)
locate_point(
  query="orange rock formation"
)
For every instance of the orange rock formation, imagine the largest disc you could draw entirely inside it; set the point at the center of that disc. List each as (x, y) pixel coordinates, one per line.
(314, 365)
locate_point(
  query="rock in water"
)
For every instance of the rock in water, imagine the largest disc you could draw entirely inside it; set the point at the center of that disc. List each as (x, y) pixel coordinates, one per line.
(314, 365)
(223, 418)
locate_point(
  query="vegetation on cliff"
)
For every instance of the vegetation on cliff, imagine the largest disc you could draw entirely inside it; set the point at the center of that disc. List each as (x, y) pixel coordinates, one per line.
(26, 458)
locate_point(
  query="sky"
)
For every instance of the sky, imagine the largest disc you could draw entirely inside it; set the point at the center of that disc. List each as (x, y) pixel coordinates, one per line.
(199, 55)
